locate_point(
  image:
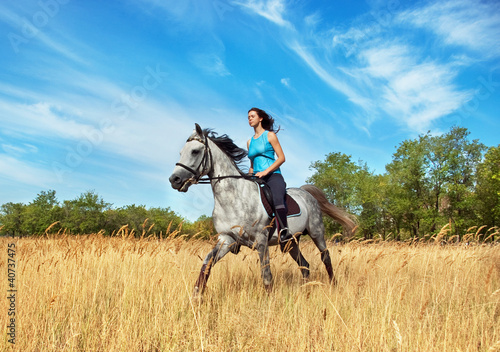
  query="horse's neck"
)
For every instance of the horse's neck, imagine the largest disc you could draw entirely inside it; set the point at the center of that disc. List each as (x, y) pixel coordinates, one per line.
(221, 163)
(229, 187)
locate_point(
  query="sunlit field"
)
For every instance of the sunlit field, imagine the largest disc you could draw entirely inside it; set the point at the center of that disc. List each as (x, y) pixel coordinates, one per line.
(97, 293)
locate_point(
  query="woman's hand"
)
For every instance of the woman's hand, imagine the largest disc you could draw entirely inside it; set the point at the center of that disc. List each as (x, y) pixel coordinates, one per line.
(261, 174)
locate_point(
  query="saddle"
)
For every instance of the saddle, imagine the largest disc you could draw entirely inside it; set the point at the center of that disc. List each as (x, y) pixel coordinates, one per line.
(266, 197)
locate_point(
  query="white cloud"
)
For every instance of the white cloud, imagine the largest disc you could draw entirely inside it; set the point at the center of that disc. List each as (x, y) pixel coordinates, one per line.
(41, 119)
(18, 150)
(413, 91)
(187, 14)
(27, 29)
(285, 82)
(272, 10)
(211, 64)
(326, 73)
(386, 61)
(24, 172)
(313, 20)
(97, 115)
(472, 24)
(383, 69)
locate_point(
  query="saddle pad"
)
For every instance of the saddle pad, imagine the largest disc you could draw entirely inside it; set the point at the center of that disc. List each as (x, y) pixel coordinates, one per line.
(292, 206)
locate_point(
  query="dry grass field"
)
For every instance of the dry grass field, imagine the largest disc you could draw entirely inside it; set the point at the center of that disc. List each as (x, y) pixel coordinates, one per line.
(95, 293)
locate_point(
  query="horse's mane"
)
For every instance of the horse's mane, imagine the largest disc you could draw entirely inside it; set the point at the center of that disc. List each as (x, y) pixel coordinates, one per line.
(226, 144)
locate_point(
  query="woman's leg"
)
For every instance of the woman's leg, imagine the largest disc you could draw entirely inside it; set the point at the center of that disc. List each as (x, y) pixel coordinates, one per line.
(278, 187)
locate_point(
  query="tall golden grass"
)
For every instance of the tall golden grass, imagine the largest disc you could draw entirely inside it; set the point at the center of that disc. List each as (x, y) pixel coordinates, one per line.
(120, 293)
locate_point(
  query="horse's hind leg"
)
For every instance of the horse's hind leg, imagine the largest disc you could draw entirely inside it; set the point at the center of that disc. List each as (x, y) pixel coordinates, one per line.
(325, 258)
(224, 246)
(319, 240)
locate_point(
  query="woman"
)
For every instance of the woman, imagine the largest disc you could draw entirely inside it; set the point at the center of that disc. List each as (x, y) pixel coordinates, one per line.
(266, 157)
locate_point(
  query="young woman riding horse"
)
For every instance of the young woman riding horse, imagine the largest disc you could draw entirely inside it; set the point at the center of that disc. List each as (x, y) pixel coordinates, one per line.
(262, 148)
(239, 216)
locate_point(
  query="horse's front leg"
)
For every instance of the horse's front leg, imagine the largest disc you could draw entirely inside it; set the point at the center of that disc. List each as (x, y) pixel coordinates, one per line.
(225, 245)
(265, 266)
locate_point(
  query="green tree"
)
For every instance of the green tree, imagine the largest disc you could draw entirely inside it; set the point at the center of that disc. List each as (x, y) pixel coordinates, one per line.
(164, 219)
(437, 166)
(432, 180)
(134, 215)
(11, 215)
(394, 205)
(85, 214)
(488, 188)
(353, 187)
(139, 218)
(370, 195)
(204, 226)
(336, 177)
(462, 159)
(42, 212)
(408, 204)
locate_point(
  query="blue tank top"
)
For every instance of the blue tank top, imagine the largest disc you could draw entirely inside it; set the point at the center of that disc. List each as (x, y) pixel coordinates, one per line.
(261, 153)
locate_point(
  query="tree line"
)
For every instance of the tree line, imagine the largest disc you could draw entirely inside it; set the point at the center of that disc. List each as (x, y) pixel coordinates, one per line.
(431, 182)
(89, 213)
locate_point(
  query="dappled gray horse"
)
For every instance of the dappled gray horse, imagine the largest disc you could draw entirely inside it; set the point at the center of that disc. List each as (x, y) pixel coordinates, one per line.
(238, 216)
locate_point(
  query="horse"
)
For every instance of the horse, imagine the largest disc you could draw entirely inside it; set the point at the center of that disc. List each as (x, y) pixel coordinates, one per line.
(238, 215)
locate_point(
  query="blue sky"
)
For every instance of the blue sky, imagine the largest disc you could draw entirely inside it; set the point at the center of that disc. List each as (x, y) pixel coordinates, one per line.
(102, 95)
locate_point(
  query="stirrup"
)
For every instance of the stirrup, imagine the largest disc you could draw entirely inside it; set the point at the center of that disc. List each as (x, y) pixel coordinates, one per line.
(285, 235)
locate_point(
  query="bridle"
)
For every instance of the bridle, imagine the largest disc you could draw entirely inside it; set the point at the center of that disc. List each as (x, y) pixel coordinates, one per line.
(206, 165)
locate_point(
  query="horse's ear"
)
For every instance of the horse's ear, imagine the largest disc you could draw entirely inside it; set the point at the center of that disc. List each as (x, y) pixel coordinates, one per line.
(198, 130)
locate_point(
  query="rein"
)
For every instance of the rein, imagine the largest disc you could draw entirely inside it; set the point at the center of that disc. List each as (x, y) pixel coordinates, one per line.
(207, 162)
(208, 179)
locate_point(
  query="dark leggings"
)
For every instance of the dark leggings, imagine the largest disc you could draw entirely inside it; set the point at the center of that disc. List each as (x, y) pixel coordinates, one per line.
(278, 187)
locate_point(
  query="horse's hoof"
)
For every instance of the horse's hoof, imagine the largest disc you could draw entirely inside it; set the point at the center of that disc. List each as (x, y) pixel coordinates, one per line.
(197, 301)
(197, 298)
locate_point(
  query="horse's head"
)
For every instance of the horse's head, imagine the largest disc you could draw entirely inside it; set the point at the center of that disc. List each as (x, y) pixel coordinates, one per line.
(194, 162)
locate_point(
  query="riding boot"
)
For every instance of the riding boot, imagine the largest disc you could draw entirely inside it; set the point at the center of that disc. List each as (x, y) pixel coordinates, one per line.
(284, 234)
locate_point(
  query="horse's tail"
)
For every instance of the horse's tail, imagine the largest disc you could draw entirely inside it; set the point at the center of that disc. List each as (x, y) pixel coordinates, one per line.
(348, 222)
